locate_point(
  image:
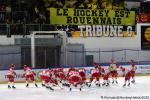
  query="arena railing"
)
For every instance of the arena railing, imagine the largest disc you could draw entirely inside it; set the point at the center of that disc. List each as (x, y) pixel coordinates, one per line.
(13, 54)
(104, 56)
(24, 29)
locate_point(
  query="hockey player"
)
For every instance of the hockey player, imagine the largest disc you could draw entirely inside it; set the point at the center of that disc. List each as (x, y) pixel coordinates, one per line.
(11, 75)
(127, 75)
(67, 83)
(43, 76)
(49, 79)
(71, 69)
(82, 73)
(133, 69)
(29, 75)
(113, 71)
(61, 76)
(74, 78)
(106, 74)
(95, 74)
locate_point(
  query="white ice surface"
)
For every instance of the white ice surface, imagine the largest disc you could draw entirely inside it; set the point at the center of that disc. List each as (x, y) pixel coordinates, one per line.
(141, 88)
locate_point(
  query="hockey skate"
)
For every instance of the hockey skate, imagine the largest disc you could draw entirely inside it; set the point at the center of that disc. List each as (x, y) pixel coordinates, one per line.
(9, 86)
(63, 84)
(70, 89)
(98, 84)
(80, 89)
(68, 85)
(128, 84)
(103, 84)
(86, 83)
(43, 85)
(124, 85)
(13, 87)
(116, 82)
(113, 82)
(36, 85)
(107, 84)
(48, 87)
(27, 85)
(89, 85)
(133, 81)
(51, 88)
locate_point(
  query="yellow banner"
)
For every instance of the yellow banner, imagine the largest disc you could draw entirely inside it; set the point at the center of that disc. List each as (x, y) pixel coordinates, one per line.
(91, 17)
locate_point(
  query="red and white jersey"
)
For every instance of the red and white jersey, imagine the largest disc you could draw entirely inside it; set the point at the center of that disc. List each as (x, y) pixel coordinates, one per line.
(94, 70)
(45, 73)
(59, 73)
(42, 72)
(102, 70)
(73, 73)
(81, 70)
(122, 69)
(106, 71)
(71, 69)
(106, 74)
(52, 73)
(125, 71)
(28, 71)
(133, 68)
(59, 70)
(11, 72)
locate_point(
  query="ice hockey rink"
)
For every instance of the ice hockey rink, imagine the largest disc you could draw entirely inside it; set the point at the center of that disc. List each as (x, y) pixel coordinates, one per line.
(140, 89)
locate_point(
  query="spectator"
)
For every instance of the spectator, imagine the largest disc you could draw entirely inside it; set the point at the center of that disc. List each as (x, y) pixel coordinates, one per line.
(70, 3)
(42, 18)
(2, 7)
(92, 4)
(60, 3)
(8, 14)
(80, 4)
(2, 17)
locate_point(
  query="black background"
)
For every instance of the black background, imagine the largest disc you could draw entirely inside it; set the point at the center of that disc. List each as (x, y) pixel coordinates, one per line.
(145, 45)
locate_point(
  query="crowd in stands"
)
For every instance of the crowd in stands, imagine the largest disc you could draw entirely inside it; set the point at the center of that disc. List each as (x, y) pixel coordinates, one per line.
(19, 12)
(36, 11)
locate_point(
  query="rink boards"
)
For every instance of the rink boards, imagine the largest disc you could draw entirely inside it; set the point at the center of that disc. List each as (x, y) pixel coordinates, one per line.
(141, 69)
